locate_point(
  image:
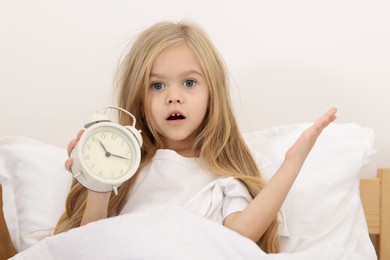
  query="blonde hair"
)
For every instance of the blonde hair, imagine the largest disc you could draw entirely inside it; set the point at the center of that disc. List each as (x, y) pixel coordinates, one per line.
(219, 143)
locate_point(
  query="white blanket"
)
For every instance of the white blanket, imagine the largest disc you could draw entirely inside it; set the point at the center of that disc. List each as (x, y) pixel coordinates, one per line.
(167, 232)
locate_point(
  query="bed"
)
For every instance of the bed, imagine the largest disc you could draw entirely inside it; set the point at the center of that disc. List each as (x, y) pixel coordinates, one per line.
(333, 222)
(375, 195)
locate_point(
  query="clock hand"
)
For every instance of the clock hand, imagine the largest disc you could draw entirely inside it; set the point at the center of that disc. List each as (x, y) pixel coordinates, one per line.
(108, 154)
(122, 157)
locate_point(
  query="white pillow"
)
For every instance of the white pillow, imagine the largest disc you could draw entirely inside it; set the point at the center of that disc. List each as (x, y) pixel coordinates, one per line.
(324, 204)
(35, 184)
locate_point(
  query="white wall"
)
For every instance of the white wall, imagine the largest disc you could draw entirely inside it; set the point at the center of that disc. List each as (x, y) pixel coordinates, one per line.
(289, 60)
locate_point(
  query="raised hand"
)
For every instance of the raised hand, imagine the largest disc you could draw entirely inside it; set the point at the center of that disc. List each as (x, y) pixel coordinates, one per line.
(257, 216)
(302, 147)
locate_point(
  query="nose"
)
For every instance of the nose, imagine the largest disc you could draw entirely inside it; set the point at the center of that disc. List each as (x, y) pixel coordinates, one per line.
(174, 96)
(175, 100)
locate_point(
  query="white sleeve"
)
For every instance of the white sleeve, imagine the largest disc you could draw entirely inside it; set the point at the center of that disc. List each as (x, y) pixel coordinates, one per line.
(236, 197)
(236, 194)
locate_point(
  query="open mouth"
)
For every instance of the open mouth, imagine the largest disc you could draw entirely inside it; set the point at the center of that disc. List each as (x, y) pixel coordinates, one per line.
(175, 116)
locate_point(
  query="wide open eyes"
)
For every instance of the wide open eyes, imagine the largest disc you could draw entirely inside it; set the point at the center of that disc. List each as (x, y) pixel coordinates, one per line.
(157, 86)
(189, 83)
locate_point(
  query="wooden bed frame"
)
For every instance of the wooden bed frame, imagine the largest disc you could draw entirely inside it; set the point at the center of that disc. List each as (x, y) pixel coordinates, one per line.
(375, 195)
(374, 192)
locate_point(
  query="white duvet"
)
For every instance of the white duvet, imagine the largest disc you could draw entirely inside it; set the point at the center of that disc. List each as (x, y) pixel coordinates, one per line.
(323, 214)
(168, 232)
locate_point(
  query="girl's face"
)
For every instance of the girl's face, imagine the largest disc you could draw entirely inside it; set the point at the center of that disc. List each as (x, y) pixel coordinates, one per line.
(178, 97)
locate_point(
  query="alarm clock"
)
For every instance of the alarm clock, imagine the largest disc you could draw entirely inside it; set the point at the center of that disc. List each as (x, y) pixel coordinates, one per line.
(107, 154)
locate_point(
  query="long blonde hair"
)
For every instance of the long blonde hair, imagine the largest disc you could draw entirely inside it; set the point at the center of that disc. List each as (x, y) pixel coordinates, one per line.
(219, 144)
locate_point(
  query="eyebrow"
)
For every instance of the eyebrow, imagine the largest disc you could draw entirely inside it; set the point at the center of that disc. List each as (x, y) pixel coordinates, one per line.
(182, 74)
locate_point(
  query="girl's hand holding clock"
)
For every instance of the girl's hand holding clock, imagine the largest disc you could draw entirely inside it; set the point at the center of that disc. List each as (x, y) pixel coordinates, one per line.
(97, 202)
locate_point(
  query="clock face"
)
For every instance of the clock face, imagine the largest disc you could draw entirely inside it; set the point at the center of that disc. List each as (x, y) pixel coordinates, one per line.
(108, 152)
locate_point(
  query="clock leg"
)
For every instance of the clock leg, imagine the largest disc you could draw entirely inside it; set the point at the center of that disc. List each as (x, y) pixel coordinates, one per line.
(115, 188)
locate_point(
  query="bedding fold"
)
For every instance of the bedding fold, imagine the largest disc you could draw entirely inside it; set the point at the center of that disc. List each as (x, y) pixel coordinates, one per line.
(168, 232)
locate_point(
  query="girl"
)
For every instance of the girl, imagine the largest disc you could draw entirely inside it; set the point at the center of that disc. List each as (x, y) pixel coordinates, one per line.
(174, 82)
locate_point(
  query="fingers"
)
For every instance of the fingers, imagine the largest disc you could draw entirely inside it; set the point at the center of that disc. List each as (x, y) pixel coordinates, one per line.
(68, 164)
(326, 119)
(80, 133)
(73, 142)
(330, 115)
(307, 139)
(71, 145)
